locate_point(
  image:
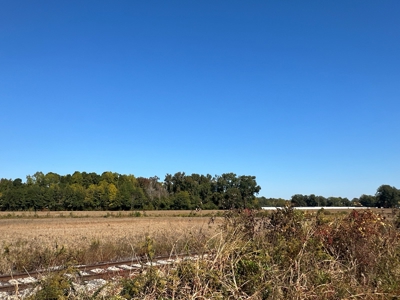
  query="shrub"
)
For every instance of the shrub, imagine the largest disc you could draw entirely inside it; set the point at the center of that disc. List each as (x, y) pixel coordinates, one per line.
(287, 255)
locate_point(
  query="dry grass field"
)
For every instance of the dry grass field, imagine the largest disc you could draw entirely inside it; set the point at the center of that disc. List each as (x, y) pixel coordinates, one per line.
(71, 231)
(30, 241)
(283, 254)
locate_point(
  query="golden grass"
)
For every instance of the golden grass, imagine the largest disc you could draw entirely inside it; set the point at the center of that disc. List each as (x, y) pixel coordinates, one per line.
(286, 254)
(298, 255)
(30, 240)
(70, 231)
(38, 242)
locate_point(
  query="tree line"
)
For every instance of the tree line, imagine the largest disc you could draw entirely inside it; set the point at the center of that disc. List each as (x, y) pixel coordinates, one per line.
(386, 196)
(113, 191)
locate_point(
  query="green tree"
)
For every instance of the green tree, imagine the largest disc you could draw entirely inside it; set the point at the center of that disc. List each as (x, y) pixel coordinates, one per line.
(51, 179)
(181, 200)
(5, 184)
(367, 200)
(272, 202)
(93, 197)
(36, 197)
(114, 202)
(39, 179)
(387, 196)
(299, 200)
(232, 198)
(13, 198)
(17, 183)
(77, 178)
(338, 201)
(248, 188)
(226, 181)
(321, 201)
(55, 198)
(110, 177)
(74, 197)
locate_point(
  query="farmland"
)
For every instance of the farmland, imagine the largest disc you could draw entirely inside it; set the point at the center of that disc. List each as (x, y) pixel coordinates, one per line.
(38, 240)
(283, 254)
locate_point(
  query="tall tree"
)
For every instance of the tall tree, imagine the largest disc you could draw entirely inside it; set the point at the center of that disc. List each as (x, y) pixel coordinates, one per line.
(367, 200)
(299, 200)
(181, 200)
(387, 196)
(51, 179)
(248, 189)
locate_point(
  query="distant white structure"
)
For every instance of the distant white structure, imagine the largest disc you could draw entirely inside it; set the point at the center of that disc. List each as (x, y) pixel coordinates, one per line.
(317, 207)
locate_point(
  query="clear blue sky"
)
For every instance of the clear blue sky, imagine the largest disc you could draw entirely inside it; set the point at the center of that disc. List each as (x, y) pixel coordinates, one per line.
(304, 95)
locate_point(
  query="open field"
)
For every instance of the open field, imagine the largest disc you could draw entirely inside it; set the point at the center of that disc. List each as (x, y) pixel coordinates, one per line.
(149, 213)
(73, 230)
(282, 254)
(79, 228)
(47, 239)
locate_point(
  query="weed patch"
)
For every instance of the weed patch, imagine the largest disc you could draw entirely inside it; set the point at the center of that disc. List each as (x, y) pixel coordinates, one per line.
(285, 254)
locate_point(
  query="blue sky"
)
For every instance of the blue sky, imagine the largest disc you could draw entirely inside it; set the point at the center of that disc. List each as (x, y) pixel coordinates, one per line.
(304, 95)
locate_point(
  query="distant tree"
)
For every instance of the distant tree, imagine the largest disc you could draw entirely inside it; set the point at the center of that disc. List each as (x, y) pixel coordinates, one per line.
(93, 197)
(77, 178)
(110, 177)
(248, 189)
(312, 200)
(17, 182)
(5, 184)
(138, 199)
(13, 198)
(272, 202)
(74, 197)
(114, 203)
(367, 200)
(181, 200)
(299, 200)
(37, 197)
(337, 201)
(387, 196)
(232, 198)
(54, 198)
(66, 179)
(51, 179)
(321, 201)
(39, 179)
(87, 179)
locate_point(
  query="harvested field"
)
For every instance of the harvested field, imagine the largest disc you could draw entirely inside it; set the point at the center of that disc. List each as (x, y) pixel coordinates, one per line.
(71, 231)
(282, 254)
(37, 242)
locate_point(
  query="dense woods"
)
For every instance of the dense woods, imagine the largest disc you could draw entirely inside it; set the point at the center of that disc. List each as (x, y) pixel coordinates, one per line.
(113, 191)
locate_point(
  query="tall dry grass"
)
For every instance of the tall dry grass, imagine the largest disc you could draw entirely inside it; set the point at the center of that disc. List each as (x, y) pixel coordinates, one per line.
(39, 243)
(289, 255)
(286, 254)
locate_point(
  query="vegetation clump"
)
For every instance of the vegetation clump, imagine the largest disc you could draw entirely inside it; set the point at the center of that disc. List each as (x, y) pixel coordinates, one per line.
(286, 255)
